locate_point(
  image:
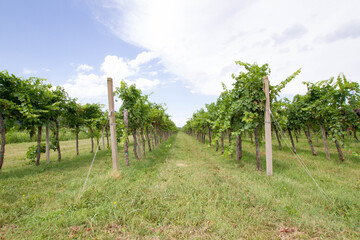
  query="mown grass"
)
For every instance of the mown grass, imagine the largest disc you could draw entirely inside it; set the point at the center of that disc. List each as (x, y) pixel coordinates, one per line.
(183, 190)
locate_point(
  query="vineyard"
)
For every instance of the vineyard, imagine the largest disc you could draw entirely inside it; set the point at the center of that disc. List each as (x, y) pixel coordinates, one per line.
(197, 183)
(31, 104)
(331, 107)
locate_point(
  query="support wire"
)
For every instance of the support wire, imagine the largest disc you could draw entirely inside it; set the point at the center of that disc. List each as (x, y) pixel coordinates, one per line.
(302, 164)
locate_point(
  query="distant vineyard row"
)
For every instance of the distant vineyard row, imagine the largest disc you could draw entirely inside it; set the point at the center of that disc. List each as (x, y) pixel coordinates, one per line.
(331, 107)
(31, 104)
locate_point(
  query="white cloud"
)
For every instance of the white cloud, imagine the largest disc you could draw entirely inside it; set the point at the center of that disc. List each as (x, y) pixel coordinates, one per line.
(348, 30)
(199, 41)
(142, 58)
(29, 71)
(86, 86)
(120, 68)
(179, 121)
(146, 84)
(293, 32)
(153, 73)
(93, 87)
(84, 68)
(116, 67)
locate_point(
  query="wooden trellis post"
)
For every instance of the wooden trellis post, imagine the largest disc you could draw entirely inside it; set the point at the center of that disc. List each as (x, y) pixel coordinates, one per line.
(112, 125)
(126, 147)
(268, 144)
(103, 141)
(47, 133)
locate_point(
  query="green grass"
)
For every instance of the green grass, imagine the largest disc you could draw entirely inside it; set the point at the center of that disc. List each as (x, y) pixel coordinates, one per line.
(183, 190)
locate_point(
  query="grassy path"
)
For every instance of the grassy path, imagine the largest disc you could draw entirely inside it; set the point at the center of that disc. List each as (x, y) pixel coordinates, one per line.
(183, 190)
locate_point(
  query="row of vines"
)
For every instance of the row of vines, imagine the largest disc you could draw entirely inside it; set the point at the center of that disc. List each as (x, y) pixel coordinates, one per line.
(331, 107)
(31, 104)
(147, 122)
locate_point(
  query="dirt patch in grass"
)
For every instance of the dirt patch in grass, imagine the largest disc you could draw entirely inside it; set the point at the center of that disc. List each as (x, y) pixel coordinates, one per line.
(292, 232)
(181, 165)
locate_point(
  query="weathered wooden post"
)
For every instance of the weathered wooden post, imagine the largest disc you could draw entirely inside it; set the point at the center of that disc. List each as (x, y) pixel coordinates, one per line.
(268, 144)
(47, 144)
(103, 140)
(138, 143)
(126, 147)
(112, 124)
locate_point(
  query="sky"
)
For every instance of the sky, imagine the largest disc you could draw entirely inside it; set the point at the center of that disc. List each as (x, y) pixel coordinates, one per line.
(178, 51)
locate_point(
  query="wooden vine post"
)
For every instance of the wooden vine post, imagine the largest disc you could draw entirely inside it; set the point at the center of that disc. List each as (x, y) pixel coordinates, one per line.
(47, 147)
(268, 144)
(112, 125)
(103, 140)
(126, 147)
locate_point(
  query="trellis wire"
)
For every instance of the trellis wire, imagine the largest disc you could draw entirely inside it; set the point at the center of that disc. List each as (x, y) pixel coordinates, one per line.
(302, 164)
(87, 177)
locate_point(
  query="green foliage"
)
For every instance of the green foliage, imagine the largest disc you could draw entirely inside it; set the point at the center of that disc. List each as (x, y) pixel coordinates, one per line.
(93, 118)
(132, 101)
(73, 115)
(27, 104)
(142, 113)
(240, 109)
(32, 152)
(332, 104)
(14, 101)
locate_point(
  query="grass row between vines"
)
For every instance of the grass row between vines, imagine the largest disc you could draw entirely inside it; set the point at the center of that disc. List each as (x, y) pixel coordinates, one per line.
(183, 190)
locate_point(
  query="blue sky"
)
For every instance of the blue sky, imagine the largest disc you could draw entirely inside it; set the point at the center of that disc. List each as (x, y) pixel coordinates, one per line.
(179, 50)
